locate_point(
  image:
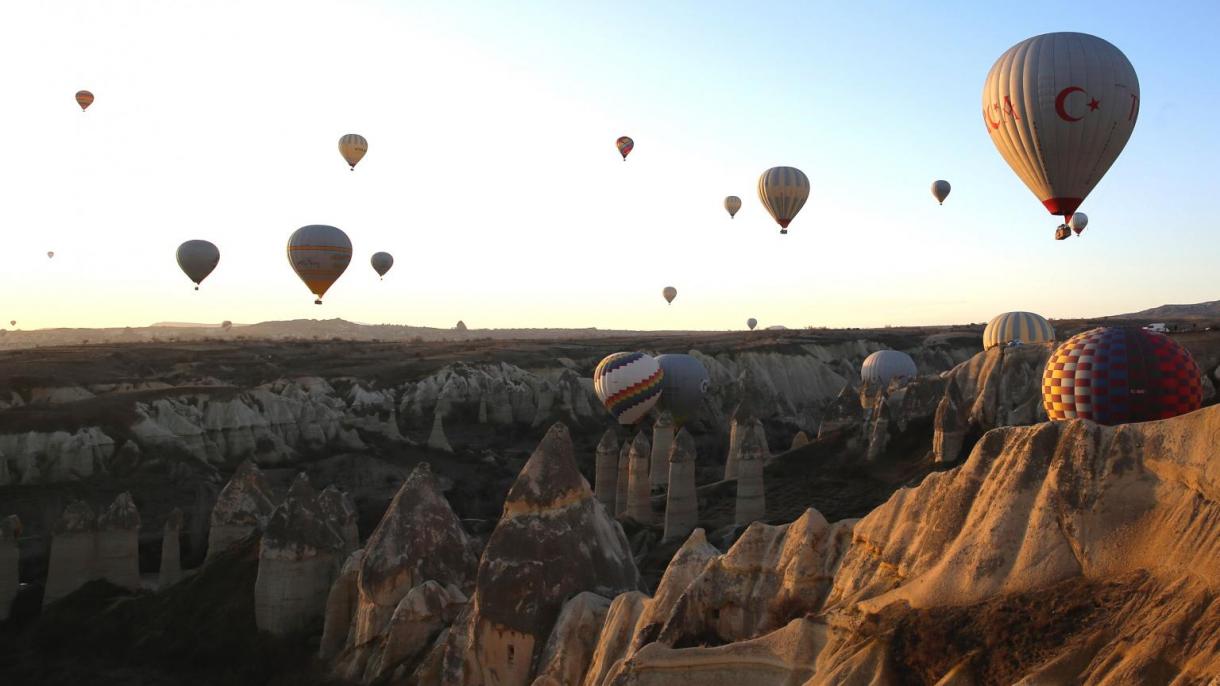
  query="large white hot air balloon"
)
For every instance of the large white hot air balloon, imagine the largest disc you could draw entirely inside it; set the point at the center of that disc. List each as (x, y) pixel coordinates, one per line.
(883, 366)
(319, 254)
(1060, 107)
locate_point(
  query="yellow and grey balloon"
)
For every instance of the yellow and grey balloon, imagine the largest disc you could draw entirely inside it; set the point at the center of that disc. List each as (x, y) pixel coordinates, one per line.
(783, 191)
(1017, 327)
(669, 293)
(940, 190)
(319, 254)
(732, 203)
(1059, 108)
(353, 146)
(381, 261)
(197, 259)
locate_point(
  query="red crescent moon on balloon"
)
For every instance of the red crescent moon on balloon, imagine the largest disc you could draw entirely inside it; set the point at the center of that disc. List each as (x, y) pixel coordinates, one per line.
(1059, 101)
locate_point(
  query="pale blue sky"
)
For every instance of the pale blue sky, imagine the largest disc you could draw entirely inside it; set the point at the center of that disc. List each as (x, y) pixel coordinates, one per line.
(492, 175)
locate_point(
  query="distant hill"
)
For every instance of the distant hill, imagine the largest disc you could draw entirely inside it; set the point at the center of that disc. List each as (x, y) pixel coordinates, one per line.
(1207, 310)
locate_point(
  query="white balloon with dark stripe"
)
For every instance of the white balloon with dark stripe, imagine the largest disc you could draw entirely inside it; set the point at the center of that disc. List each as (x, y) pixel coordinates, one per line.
(884, 366)
(1017, 327)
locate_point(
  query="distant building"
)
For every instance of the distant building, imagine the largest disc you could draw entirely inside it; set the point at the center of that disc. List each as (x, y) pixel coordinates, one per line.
(1158, 327)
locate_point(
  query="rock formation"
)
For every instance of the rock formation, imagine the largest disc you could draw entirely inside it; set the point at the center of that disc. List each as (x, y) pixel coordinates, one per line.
(552, 543)
(614, 641)
(243, 506)
(738, 431)
(844, 413)
(299, 557)
(407, 584)
(662, 439)
(800, 440)
(171, 555)
(623, 487)
(10, 556)
(751, 496)
(639, 486)
(437, 439)
(338, 509)
(681, 503)
(605, 484)
(117, 555)
(568, 652)
(73, 551)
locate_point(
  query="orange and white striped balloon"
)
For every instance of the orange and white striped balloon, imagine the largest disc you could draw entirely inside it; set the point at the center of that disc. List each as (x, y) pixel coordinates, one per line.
(783, 191)
(319, 254)
(1059, 108)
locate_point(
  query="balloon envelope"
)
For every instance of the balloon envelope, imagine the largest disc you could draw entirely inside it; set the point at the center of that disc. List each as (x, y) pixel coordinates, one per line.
(1059, 108)
(319, 254)
(50, 254)
(353, 146)
(669, 293)
(628, 384)
(751, 322)
(940, 190)
(625, 146)
(1078, 222)
(783, 191)
(884, 366)
(683, 386)
(732, 204)
(381, 261)
(84, 99)
(1024, 327)
(197, 259)
(1116, 375)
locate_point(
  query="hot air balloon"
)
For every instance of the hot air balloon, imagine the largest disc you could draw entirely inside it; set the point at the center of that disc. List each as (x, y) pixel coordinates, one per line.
(13, 322)
(1121, 374)
(319, 254)
(197, 259)
(1060, 107)
(884, 366)
(732, 204)
(628, 384)
(1022, 327)
(50, 254)
(683, 386)
(751, 322)
(381, 261)
(352, 147)
(1078, 221)
(84, 99)
(624, 145)
(783, 191)
(226, 325)
(940, 190)
(669, 293)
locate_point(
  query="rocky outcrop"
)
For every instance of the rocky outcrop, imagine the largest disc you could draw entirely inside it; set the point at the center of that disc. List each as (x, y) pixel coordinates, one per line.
(681, 503)
(999, 387)
(504, 394)
(800, 440)
(407, 584)
(552, 542)
(437, 439)
(569, 650)
(117, 553)
(843, 414)
(617, 632)
(639, 486)
(10, 556)
(243, 506)
(341, 603)
(338, 509)
(171, 555)
(299, 557)
(751, 494)
(73, 551)
(623, 487)
(40, 457)
(605, 482)
(658, 461)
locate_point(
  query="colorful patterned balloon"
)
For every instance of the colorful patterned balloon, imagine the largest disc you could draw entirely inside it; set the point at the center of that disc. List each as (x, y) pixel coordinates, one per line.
(84, 99)
(625, 145)
(1121, 374)
(1025, 327)
(628, 384)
